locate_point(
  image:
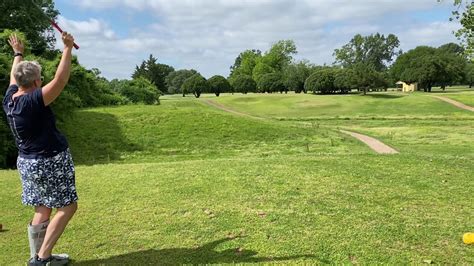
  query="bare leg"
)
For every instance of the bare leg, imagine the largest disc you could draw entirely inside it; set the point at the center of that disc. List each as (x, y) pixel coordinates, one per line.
(56, 228)
(42, 214)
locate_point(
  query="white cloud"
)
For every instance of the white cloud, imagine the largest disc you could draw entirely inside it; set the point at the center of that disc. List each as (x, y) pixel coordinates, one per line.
(207, 35)
(432, 34)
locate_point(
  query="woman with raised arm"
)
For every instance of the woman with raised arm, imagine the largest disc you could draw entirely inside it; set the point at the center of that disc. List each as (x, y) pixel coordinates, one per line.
(44, 161)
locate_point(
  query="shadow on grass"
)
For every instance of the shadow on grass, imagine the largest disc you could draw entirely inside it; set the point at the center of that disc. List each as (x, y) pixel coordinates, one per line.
(200, 255)
(96, 138)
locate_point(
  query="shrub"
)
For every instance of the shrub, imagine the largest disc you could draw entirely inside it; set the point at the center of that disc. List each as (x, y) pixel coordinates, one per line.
(244, 84)
(270, 83)
(219, 84)
(196, 84)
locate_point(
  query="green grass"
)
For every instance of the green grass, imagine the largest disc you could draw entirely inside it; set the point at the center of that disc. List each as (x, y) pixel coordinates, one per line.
(374, 105)
(189, 130)
(464, 98)
(186, 183)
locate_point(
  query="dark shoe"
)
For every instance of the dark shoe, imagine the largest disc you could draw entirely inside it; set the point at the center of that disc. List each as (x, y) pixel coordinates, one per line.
(52, 260)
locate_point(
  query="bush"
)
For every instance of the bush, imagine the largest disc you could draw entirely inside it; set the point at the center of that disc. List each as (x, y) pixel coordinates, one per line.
(196, 84)
(345, 80)
(270, 83)
(140, 90)
(244, 84)
(219, 85)
(321, 81)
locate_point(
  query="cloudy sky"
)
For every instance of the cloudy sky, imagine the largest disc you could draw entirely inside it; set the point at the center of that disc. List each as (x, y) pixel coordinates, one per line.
(207, 35)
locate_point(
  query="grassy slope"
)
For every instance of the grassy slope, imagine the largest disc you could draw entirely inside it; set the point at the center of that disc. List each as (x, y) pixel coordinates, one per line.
(210, 175)
(374, 105)
(187, 129)
(413, 123)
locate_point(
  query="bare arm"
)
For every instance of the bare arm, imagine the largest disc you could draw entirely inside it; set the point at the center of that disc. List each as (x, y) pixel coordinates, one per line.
(18, 48)
(53, 89)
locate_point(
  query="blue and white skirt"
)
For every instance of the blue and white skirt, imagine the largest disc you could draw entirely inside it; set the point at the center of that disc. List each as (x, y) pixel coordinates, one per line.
(49, 181)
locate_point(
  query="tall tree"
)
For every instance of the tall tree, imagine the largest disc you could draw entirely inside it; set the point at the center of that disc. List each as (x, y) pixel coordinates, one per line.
(280, 55)
(246, 55)
(174, 81)
(153, 71)
(27, 18)
(294, 76)
(245, 63)
(375, 50)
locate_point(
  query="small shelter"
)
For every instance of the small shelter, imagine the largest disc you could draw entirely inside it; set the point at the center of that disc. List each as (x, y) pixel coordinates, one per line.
(405, 87)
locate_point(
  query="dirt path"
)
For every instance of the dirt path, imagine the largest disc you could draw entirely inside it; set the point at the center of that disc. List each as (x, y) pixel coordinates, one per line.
(373, 143)
(455, 103)
(227, 109)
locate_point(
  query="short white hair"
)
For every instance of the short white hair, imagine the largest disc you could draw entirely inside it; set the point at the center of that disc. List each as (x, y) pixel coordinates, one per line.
(26, 73)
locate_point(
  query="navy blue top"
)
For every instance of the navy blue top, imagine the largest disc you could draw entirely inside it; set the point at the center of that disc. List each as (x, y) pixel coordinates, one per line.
(33, 125)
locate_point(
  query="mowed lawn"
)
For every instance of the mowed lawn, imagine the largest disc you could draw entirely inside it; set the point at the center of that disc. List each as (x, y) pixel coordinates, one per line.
(184, 182)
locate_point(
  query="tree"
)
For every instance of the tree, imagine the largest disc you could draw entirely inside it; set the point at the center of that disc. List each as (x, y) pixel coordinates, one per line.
(219, 84)
(154, 72)
(25, 17)
(245, 62)
(270, 83)
(366, 78)
(280, 55)
(452, 48)
(294, 76)
(174, 81)
(376, 50)
(428, 67)
(252, 63)
(261, 69)
(196, 84)
(469, 74)
(465, 15)
(244, 84)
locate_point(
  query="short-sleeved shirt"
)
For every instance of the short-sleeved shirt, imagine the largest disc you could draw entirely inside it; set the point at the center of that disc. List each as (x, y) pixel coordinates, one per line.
(33, 125)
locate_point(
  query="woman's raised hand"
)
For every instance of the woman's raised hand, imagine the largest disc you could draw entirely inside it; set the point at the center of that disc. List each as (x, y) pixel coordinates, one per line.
(16, 44)
(68, 39)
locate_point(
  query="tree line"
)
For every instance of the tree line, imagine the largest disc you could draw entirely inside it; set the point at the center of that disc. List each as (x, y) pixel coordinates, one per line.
(365, 63)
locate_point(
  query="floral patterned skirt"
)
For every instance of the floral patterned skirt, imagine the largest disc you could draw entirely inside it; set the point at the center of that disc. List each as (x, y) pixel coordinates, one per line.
(48, 181)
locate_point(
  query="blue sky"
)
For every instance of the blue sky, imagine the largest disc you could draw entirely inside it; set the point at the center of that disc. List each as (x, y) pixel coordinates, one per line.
(207, 35)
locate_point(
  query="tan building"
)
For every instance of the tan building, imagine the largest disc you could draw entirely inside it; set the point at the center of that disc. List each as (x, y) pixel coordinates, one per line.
(407, 87)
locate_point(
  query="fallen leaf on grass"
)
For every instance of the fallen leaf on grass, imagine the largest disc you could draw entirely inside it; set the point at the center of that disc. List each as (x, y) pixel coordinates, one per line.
(262, 214)
(428, 261)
